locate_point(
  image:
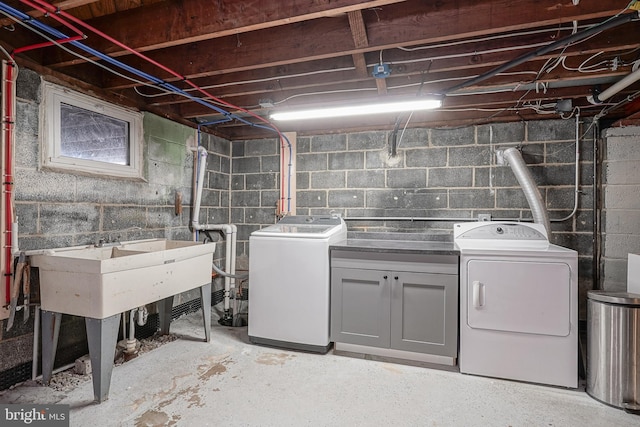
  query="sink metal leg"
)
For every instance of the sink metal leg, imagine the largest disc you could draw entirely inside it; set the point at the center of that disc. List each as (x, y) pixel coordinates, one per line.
(164, 313)
(205, 295)
(50, 333)
(102, 335)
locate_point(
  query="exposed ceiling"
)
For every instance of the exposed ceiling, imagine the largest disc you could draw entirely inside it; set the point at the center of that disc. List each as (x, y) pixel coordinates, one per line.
(265, 55)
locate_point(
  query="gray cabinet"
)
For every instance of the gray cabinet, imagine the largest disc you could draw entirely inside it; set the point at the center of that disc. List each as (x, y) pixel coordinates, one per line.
(404, 302)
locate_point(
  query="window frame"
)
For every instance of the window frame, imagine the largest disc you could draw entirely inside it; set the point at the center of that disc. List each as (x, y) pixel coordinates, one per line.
(53, 96)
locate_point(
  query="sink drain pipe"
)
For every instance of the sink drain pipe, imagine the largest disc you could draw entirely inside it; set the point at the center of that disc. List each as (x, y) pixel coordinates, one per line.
(531, 192)
(228, 231)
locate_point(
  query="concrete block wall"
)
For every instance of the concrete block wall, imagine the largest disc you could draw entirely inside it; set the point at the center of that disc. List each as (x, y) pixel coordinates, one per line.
(56, 209)
(446, 175)
(621, 210)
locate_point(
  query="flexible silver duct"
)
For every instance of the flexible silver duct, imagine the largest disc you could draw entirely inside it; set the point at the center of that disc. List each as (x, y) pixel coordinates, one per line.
(531, 192)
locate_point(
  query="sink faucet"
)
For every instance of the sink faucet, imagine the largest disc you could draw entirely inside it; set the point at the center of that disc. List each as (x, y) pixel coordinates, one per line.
(107, 242)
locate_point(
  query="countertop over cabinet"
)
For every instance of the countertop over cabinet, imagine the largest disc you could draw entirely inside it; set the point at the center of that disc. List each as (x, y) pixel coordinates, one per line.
(416, 243)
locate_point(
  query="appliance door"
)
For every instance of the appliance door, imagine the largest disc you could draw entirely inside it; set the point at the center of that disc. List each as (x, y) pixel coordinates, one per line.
(519, 296)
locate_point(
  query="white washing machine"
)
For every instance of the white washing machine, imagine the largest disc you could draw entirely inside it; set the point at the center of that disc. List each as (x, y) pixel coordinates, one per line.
(518, 304)
(289, 282)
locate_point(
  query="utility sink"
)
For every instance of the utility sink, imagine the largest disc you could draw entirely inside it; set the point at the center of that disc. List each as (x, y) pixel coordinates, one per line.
(99, 282)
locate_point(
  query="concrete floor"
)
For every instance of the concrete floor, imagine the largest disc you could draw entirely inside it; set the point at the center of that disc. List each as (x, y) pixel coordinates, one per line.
(231, 382)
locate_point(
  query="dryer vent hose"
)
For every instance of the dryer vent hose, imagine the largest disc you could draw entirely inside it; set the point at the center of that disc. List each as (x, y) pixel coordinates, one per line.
(531, 192)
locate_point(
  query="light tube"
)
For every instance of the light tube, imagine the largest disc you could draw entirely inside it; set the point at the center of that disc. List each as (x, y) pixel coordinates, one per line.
(355, 110)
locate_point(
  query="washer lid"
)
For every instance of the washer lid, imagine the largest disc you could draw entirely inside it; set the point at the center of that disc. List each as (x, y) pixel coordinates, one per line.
(624, 298)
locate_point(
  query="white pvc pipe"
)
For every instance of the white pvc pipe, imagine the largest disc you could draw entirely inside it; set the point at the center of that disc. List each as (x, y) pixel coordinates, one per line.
(36, 343)
(229, 230)
(628, 80)
(202, 162)
(531, 192)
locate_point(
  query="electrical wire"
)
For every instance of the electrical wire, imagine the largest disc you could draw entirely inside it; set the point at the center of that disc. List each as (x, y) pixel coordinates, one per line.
(487, 38)
(49, 9)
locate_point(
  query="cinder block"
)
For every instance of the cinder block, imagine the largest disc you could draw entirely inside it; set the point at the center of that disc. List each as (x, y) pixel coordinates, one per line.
(218, 181)
(560, 152)
(245, 198)
(237, 149)
(366, 179)
(551, 130)
(82, 365)
(620, 245)
(416, 137)
(324, 143)
(510, 198)
(237, 182)
(617, 197)
(261, 181)
(246, 165)
(303, 144)
(346, 160)
(261, 147)
(346, 198)
(270, 164)
(469, 156)
(328, 179)
(453, 136)
(469, 198)
(380, 159)
(32, 185)
(426, 157)
(28, 85)
(501, 133)
(621, 221)
(367, 140)
(450, 177)
(312, 162)
(68, 218)
(266, 215)
(622, 172)
(316, 198)
(406, 178)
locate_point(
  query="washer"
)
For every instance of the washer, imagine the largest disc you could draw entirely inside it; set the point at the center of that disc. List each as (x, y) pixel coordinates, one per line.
(518, 304)
(289, 282)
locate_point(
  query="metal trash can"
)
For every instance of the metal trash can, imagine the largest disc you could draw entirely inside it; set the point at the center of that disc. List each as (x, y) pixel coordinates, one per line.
(613, 352)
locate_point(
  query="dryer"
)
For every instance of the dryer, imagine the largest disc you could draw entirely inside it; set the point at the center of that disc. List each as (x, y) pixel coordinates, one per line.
(518, 304)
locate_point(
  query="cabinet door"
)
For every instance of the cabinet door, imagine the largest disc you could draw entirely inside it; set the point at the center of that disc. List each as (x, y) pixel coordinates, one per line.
(360, 307)
(424, 313)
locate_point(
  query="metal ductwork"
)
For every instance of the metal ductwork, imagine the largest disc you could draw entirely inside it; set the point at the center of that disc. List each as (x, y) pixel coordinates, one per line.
(531, 192)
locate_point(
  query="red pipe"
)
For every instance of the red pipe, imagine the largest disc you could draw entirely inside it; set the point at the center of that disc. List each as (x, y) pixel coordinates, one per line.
(47, 13)
(46, 44)
(56, 11)
(8, 177)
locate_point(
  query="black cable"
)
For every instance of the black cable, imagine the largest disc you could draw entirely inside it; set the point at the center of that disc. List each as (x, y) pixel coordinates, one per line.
(611, 23)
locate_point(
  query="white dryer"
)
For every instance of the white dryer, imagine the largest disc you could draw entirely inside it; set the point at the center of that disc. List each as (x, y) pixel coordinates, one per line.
(518, 304)
(289, 282)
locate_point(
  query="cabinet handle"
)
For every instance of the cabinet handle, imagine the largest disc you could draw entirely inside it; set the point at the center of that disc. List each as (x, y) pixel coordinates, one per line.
(396, 277)
(384, 277)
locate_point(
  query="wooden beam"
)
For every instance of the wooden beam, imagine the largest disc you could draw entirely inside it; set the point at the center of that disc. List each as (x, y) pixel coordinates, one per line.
(322, 39)
(173, 23)
(62, 5)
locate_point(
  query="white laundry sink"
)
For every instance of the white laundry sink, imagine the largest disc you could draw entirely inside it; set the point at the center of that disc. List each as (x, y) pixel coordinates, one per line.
(99, 282)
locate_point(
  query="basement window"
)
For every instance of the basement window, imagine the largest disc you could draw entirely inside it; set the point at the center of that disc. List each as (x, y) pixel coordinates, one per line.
(87, 135)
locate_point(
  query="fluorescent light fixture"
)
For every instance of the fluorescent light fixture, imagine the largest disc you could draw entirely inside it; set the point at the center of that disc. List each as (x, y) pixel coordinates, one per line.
(357, 110)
